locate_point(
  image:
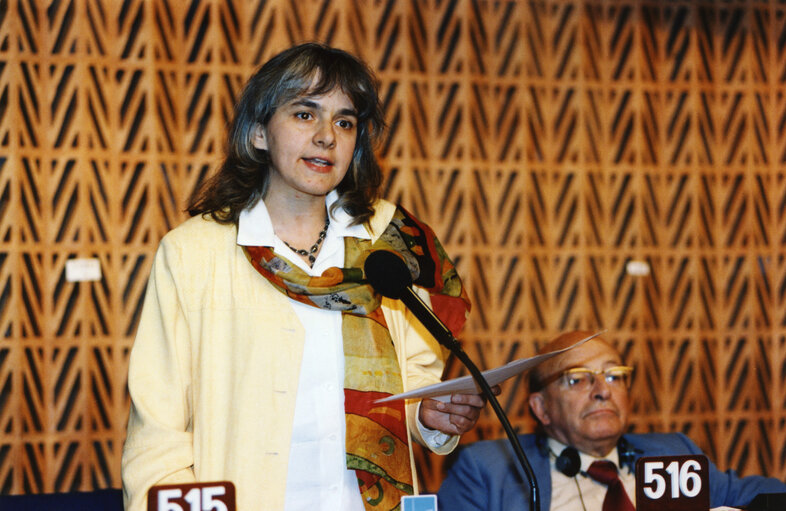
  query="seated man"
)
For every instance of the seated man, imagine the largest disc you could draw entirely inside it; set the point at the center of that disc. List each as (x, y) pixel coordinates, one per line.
(581, 401)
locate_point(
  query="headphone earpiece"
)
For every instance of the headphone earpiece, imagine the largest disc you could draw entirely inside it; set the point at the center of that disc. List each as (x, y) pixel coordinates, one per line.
(626, 453)
(568, 462)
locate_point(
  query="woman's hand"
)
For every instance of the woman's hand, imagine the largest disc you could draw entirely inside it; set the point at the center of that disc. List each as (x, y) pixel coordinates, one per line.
(456, 417)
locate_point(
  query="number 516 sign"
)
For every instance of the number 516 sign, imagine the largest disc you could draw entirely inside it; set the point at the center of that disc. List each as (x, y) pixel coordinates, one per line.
(672, 483)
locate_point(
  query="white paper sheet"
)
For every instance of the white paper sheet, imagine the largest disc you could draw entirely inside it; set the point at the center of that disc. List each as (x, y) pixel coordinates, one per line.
(466, 384)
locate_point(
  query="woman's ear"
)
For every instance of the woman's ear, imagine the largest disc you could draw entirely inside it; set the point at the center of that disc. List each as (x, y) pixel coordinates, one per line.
(538, 407)
(259, 141)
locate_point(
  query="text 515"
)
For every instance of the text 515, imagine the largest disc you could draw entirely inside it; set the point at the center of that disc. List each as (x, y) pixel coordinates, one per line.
(211, 496)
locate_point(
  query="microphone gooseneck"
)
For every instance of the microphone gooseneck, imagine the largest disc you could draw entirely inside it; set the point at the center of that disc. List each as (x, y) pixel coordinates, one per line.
(387, 273)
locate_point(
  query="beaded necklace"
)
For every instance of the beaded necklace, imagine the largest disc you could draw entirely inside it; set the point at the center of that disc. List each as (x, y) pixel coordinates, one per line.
(311, 253)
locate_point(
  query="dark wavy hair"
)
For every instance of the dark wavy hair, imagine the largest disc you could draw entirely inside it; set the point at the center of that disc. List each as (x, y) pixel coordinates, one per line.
(243, 176)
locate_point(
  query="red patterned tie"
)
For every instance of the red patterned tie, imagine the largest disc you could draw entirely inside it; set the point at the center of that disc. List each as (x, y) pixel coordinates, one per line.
(605, 472)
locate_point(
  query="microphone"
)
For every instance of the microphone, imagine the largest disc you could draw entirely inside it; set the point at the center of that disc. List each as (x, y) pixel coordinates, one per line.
(387, 273)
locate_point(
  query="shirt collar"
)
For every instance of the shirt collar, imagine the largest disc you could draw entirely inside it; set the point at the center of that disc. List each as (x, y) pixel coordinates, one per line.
(254, 227)
(556, 447)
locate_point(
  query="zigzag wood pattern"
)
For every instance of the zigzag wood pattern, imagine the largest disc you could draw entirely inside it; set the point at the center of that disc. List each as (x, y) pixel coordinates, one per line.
(548, 143)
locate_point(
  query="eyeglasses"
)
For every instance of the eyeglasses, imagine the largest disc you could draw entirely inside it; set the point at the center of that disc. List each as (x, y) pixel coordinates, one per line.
(582, 378)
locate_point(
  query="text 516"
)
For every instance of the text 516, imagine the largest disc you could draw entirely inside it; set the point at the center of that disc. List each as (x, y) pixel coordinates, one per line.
(672, 483)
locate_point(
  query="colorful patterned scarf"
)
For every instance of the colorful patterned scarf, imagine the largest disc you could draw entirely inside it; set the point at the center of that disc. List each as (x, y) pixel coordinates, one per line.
(376, 438)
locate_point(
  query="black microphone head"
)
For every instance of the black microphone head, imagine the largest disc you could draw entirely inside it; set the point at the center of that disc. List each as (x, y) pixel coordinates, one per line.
(387, 273)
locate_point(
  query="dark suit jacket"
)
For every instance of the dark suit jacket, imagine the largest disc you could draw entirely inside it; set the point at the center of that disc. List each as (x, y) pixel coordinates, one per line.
(487, 477)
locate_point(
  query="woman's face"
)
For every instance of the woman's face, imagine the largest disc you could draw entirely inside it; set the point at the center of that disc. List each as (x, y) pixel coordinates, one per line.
(310, 141)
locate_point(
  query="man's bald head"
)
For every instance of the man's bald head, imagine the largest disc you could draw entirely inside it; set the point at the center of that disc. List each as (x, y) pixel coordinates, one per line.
(552, 366)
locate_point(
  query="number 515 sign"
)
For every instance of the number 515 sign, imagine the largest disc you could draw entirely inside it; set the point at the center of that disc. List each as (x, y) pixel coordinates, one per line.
(672, 483)
(213, 496)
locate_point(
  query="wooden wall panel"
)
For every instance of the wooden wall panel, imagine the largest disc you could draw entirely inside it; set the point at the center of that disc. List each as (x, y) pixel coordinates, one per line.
(549, 143)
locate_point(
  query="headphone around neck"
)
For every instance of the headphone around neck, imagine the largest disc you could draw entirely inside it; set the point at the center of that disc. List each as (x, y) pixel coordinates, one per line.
(568, 462)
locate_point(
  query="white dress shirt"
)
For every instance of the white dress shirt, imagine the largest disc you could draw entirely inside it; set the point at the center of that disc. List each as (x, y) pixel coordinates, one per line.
(582, 493)
(317, 477)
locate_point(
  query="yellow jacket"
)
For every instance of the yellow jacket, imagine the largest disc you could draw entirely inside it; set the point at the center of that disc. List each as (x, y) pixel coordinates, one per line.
(213, 372)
